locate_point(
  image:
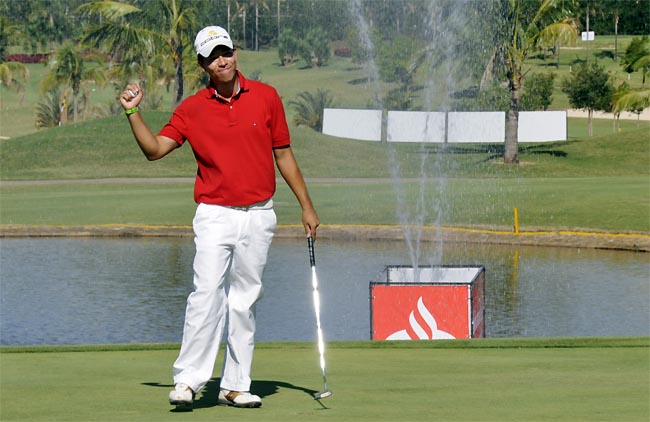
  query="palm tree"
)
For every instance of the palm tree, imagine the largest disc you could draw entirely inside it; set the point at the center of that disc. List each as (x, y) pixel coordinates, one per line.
(637, 57)
(12, 74)
(634, 100)
(51, 110)
(529, 23)
(163, 28)
(267, 8)
(239, 11)
(309, 108)
(71, 67)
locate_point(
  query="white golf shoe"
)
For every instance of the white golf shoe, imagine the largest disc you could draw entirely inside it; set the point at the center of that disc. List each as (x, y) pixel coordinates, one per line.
(181, 395)
(239, 398)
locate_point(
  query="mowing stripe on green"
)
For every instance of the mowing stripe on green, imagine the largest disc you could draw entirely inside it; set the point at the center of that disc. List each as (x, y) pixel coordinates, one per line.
(487, 380)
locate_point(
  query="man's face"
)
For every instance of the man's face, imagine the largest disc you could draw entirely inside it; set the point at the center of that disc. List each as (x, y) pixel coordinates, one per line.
(221, 64)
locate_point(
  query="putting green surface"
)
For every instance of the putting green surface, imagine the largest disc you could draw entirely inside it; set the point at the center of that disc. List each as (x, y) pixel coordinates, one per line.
(487, 380)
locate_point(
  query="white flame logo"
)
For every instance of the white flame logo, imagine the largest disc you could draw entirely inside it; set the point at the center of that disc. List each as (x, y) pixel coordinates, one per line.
(417, 328)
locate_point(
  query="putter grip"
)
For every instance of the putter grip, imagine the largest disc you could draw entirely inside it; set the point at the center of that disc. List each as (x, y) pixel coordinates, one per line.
(310, 245)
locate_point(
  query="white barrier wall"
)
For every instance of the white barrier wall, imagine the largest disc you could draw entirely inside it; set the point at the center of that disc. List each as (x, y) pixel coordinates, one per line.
(420, 126)
(542, 126)
(415, 126)
(355, 124)
(476, 126)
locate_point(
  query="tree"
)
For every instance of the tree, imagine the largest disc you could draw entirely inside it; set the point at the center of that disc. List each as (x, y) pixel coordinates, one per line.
(538, 91)
(637, 57)
(288, 47)
(265, 6)
(634, 101)
(529, 23)
(394, 57)
(12, 74)
(43, 23)
(613, 17)
(309, 108)
(315, 50)
(163, 28)
(71, 67)
(398, 59)
(51, 110)
(589, 88)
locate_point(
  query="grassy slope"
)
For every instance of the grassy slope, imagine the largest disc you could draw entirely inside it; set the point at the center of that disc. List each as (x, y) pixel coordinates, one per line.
(550, 379)
(598, 182)
(105, 148)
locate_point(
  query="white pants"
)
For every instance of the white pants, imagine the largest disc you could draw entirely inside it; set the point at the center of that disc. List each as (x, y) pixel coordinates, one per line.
(231, 249)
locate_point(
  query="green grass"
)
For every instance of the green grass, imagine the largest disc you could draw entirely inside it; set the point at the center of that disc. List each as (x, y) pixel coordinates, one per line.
(622, 203)
(599, 182)
(105, 148)
(487, 380)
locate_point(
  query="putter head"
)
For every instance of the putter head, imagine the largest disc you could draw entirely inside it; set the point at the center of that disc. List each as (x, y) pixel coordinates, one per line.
(323, 395)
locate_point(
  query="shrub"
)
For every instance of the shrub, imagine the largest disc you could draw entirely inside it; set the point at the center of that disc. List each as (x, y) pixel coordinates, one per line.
(537, 92)
(309, 108)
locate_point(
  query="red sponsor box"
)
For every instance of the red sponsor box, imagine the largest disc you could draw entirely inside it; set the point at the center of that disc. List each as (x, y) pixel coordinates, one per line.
(428, 303)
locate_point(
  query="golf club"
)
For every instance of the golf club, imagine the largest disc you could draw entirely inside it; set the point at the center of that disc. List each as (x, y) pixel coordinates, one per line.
(321, 344)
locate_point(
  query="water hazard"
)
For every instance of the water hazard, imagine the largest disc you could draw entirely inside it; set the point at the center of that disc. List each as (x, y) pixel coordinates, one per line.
(115, 290)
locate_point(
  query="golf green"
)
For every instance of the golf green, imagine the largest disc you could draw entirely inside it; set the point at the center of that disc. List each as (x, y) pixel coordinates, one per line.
(487, 380)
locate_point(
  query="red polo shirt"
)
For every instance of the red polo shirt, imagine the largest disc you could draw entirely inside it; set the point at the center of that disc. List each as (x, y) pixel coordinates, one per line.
(232, 142)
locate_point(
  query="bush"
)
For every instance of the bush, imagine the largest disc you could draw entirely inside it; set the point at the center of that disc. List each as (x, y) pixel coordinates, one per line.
(394, 57)
(538, 91)
(589, 88)
(48, 110)
(315, 49)
(288, 47)
(309, 108)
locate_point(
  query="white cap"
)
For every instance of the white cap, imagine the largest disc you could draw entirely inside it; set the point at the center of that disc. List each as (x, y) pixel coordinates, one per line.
(210, 37)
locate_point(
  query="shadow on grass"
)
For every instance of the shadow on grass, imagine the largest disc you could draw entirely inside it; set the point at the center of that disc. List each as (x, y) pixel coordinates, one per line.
(495, 151)
(210, 393)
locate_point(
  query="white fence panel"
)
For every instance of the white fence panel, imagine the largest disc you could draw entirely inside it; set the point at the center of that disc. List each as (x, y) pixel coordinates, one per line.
(542, 126)
(364, 125)
(415, 126)
(420, 126)
(483, 126)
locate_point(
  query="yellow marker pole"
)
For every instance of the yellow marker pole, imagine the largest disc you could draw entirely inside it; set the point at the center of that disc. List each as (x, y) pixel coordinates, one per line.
(516, 220)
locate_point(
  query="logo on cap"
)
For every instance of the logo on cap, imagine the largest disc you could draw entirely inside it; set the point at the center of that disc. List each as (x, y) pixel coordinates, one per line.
(213, 37)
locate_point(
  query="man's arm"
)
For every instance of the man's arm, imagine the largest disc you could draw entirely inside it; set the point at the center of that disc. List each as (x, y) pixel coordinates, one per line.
(152, 146)
(290, 171)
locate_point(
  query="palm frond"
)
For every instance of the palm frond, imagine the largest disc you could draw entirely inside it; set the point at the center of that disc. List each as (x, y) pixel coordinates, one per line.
(564, 32)
(632, 100)
(309, 108)
(109, 10)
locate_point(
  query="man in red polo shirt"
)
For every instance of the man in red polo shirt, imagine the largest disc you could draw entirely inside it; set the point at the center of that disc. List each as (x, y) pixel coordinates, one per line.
(237, 128)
